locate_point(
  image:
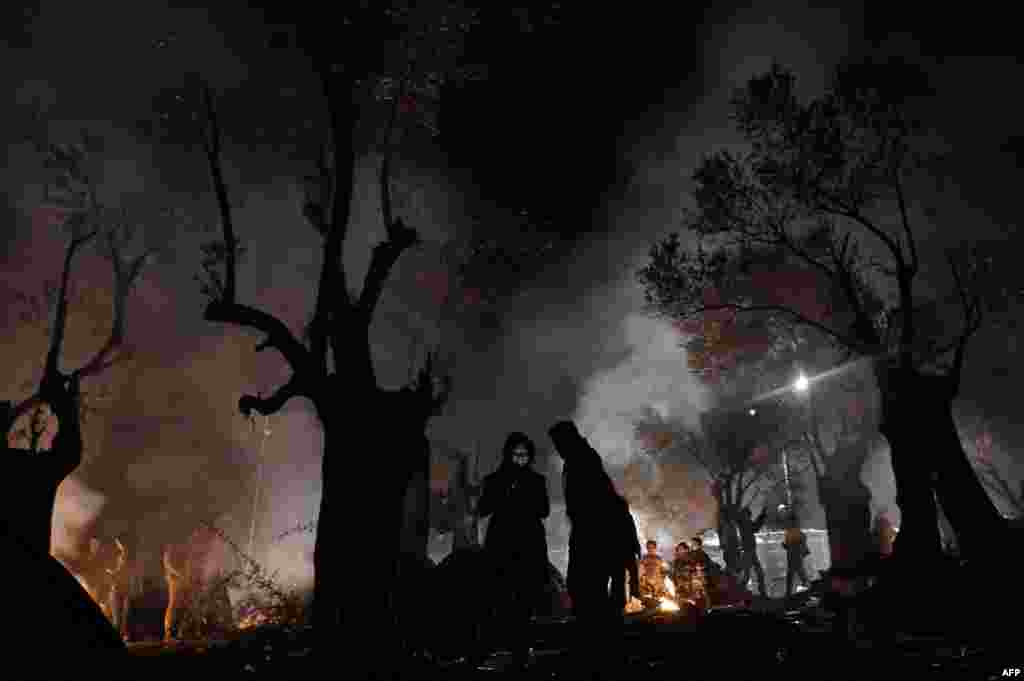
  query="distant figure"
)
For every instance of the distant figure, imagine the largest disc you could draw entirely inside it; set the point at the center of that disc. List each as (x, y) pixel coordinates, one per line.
(700, 556)
(602, 539)
(749, 527)
(795, 543)
(886, 535)
(708, 578)
(516, 498)
(653, 571)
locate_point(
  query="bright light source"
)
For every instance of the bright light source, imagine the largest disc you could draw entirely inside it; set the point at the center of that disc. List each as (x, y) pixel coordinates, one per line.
(801, 384)
(753, 412)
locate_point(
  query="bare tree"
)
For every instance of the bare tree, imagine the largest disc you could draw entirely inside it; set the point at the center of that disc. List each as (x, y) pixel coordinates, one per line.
(48, 423)
(372, 436)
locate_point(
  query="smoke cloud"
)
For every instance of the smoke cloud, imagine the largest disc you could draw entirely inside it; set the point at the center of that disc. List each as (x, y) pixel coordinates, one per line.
(75, 510)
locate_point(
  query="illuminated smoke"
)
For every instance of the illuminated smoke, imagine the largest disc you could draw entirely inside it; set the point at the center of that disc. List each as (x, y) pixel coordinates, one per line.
(654, 377)
(76, 508)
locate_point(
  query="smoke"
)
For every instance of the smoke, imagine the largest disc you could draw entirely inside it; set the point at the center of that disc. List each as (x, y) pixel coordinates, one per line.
(654, 376)
(76, 508)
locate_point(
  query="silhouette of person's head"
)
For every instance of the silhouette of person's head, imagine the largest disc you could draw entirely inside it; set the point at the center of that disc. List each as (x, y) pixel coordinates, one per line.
(519, 450)
(652, 547)
(682, 548)
(565, 435)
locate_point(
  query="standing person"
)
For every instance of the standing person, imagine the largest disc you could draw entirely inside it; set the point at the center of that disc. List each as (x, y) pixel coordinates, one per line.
(795, 543)
(602, 540)
(516, 498)
(886, 535)
(630, 553)
(749, 527)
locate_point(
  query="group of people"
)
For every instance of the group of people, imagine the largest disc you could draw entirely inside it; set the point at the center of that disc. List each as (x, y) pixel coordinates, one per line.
(688, 573)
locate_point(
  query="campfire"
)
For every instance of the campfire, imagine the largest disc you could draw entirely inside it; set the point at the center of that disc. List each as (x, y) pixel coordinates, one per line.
(252, 617)
(666, 603)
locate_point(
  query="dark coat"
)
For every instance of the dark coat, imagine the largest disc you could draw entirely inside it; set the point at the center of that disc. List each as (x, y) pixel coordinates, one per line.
(517, 502)
(516, 499)
(603, 537)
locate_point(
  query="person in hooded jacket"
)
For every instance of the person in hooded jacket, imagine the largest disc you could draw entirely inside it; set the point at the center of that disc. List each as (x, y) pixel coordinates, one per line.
(603, 542)
(515, 497)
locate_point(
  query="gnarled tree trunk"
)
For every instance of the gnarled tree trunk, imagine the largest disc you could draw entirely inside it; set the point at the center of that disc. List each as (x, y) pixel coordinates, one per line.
(847, 504)
(927, 459)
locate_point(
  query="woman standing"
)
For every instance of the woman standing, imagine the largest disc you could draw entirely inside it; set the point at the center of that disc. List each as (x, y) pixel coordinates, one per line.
(516, 498)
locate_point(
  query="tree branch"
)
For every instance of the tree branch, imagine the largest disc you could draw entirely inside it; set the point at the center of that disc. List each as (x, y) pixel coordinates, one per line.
(271, 405)
(904, 220)
(972, 322)
(862, 323)
(52, 369)
(783, 309)
(123, 282)
(278, 337)
(852, 214)
(212, 147)
(385, 255)
(335, 315)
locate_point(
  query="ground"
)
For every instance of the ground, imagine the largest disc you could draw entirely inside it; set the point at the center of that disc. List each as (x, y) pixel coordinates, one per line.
(724, 645)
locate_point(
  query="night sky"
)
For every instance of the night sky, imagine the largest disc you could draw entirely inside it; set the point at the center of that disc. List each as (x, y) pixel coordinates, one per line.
(586, 130)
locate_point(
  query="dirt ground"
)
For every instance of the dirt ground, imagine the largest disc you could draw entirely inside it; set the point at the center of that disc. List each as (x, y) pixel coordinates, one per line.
(729, 645)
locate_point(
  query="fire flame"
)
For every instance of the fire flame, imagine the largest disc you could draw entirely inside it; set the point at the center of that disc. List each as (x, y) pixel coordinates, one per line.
(667, 604)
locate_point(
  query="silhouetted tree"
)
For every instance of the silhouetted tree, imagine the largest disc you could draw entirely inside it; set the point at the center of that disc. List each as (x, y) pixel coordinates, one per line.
(399, 54)
(739, 452)
(823, 193)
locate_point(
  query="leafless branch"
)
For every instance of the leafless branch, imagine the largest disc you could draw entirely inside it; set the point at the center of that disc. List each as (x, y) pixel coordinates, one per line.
(271, 405)
(212, 147)
(278, 336)
(905, 221)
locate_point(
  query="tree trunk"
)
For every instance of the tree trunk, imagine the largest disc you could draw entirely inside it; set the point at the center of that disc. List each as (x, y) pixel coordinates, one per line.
(909, 404)
(980, 528)
(466, 533)
(355, 554)
(927, 455)
(416, 523)
(728, 541)
(847, 504)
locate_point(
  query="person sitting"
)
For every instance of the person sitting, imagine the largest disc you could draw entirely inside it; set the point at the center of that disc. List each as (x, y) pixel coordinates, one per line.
(681, 571)
(653, 571)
